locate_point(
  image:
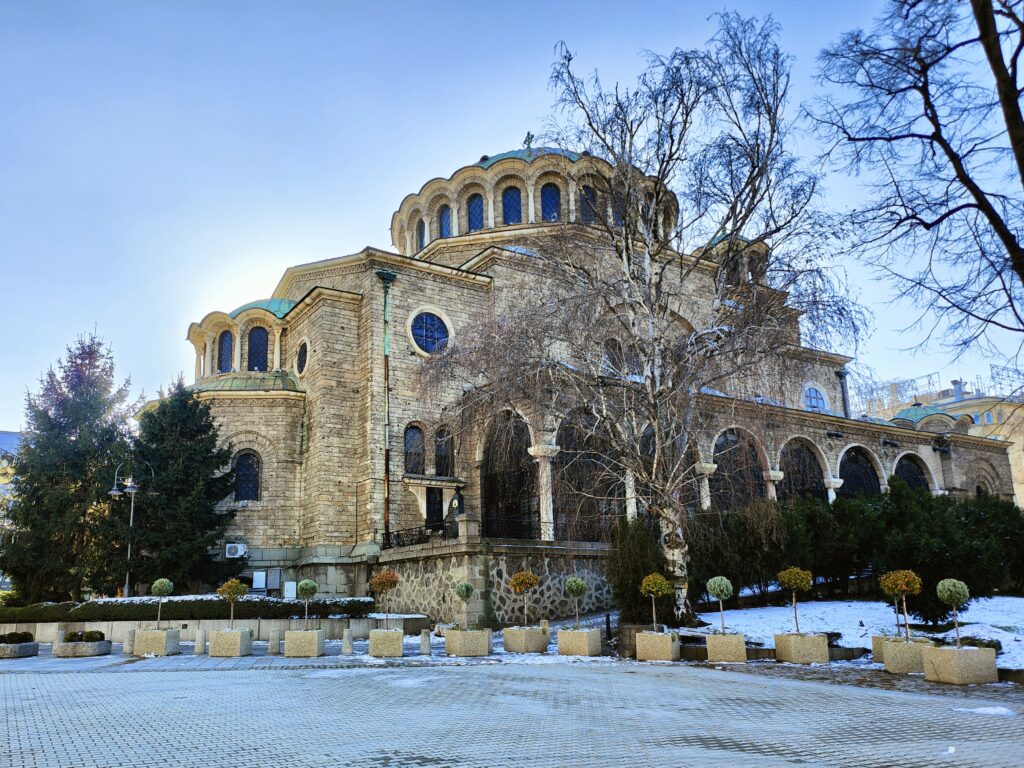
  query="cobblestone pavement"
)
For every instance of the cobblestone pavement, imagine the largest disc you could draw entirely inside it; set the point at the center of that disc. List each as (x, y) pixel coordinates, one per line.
(492, 714)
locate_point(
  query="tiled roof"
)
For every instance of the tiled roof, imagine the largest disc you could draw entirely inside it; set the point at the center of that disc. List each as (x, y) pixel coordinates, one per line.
(277, 381)
(279, 307)
(529, 155)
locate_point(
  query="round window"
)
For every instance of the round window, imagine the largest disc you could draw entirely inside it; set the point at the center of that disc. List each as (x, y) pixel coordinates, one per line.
(300, 358)
(429, 332)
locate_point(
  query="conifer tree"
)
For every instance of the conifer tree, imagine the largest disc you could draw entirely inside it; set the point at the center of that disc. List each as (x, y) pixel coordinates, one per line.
(76, 432)
(179, 526)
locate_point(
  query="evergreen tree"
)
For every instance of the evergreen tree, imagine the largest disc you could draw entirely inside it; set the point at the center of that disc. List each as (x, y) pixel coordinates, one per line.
(179, 524)
(76, 432)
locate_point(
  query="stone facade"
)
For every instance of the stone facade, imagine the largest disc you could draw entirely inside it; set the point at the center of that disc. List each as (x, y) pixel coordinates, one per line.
(328, 495)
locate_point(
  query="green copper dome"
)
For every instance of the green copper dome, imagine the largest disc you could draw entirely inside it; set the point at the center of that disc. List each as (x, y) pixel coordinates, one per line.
(276, 381)
(278, 307)
(529, 155)
(916, 412)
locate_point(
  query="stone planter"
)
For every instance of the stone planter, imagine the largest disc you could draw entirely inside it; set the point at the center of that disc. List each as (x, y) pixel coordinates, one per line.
(387, 643)
(231, 642)
(304, 643)
(18, 650)
(78, 650)
(657, 646)
(902, 658)
(579, 642)
(801, 649)
(878, 648)
(960, 666)
(468, 642)
(525, 640)
(157, 642)
(727, 648)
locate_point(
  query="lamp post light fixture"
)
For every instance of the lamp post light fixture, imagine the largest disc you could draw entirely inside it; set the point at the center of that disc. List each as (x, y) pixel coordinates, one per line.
(121, 487)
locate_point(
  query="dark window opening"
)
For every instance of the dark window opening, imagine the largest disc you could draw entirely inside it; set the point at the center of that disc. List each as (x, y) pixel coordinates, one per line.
(444, 454)
(509, 504)
(435, 509)
(910, 471)
(429, 332)
(247, 477)
(857, 472)
(512, 206)
(225, 352)
(415, 453)
(259, 341)
(475, 212)
(802, 474)
(550, 203)
(739, 478)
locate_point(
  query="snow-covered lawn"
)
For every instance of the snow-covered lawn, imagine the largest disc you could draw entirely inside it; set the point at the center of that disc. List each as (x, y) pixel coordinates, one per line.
(995, 618)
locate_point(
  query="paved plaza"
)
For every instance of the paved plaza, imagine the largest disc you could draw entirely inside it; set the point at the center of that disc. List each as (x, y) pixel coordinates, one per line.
(264, 711)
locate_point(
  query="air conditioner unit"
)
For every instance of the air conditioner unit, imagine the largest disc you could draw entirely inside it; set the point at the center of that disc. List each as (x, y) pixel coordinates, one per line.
(235, 550)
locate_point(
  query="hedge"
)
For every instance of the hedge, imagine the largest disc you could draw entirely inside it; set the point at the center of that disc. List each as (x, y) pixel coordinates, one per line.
(195, 608)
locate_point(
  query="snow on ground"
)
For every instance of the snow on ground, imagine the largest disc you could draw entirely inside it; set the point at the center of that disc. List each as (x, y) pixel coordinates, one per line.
(995, 618)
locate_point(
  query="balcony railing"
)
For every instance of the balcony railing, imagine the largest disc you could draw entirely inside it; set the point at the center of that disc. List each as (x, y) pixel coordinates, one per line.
(407, 537)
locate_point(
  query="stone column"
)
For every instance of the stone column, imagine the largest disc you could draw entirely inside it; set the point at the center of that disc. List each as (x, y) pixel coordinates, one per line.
(199, 365)
(704, 470)
(629, 480)
(236, 358)
(572, 200)
(543, 453)
(771, 477)
(210, 340)
(832, 484)
(490, 209)
(530, 215)
(277, 349)
(455, 219)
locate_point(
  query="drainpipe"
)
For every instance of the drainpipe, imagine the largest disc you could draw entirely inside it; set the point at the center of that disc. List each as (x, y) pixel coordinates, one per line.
(386, 279)
(841, 373)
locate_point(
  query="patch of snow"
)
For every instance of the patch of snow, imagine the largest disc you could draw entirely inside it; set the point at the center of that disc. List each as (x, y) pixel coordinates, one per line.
(395, 616)
(997, 711)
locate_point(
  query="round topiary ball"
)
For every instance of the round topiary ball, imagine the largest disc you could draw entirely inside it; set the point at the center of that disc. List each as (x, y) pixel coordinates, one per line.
(953, 592)
(795, 579)
(161, 587)
(720, 588)
(655, 585)
(464, 591)
(575, 587)
(900, 583)
(523, 582)
(306, 589)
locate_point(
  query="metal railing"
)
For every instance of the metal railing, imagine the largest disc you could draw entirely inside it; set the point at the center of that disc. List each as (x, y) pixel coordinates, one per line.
(421, 534)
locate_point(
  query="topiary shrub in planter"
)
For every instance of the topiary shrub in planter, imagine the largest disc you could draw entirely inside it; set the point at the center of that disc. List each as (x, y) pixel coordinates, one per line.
(959, 665)
(467, 642)
(306, 643)
(79, 644)
(158, 642)
(576, 641)
(231, 642)
(797, 647)
(18, 645)
(900, 655)
(525, 639)
(655, 645)
(723, 646)
(385, 643)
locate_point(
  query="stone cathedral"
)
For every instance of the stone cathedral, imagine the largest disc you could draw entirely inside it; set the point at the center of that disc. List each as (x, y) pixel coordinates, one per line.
(340, 470)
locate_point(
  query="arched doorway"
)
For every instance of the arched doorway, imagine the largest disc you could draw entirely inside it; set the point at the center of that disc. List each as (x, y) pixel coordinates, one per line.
(802, 473)
(508, 481)
(910, 469)
(858, 474)
(739, 477)
(588, 493)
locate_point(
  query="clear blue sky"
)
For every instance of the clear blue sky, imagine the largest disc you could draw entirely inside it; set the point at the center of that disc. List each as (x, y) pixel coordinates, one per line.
(159, 160)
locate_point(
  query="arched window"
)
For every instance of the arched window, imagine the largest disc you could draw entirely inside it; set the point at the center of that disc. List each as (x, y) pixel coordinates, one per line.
(444, 453)
(802, 474)
(508, 480)
(421, 235)
(225, 350)
(814, 400)
(475, 212)
(415, 450)
(444, 221)
(512, 206)
(550, 203)
(588, 491)
(429, 332)
(247, 476)
(739, 478)
(857, 472)
(301, 357)
(258, 342)
(911, 472)
(589, 214)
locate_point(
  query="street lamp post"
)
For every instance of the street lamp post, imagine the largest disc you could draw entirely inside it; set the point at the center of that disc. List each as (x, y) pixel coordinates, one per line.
(115, 493)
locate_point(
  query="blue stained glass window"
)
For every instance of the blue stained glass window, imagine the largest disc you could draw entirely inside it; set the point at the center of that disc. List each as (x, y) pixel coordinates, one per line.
(421, 235)
(588, 205)
(258, 342)
(475, 212)
(512, 206)
(813, 399)
(550, 202)
(415, 450)
(247, 477)
(224, 352)
(429, 332)
(444, 221)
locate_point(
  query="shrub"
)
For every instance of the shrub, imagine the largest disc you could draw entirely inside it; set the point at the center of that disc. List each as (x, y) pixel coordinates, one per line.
(92, 636)
(14, 638)
(522, 583)
(230, 591)
(635, 551)
(654, 586)
(720, 588)
(897, 585)
(161, 588)
(575, 587)
(464, 591)
(956, 595)
(382, 584)
(795, 580)
(36, 613)
(307, 589)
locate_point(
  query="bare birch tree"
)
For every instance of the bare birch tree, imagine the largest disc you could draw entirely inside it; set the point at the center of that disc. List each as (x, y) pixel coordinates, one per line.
(696, 252)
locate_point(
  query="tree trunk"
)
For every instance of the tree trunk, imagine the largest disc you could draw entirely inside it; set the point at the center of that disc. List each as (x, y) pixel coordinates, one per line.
(159, 605)
(577, 601)
(956, 624)
(654, 614)
(796, 621)
(678, 555)
(305, 626)
(721, 613)
(231, 616)
(906, 620)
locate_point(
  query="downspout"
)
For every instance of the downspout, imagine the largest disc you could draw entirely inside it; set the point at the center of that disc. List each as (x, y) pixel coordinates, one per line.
(842, 373)
(386, 279)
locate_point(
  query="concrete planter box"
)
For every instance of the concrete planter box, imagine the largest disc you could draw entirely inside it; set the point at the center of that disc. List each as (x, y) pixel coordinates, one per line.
(727, 648)
(579, 642)
(902, 658)
(157, 642)
(78, 650)
(231, 642)
(801, 649)
(525, 640)
(304, 643)
(468, 642)
(18, 650)
(657, 646)
(878, 647)
(386, 643)
(960, 666)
